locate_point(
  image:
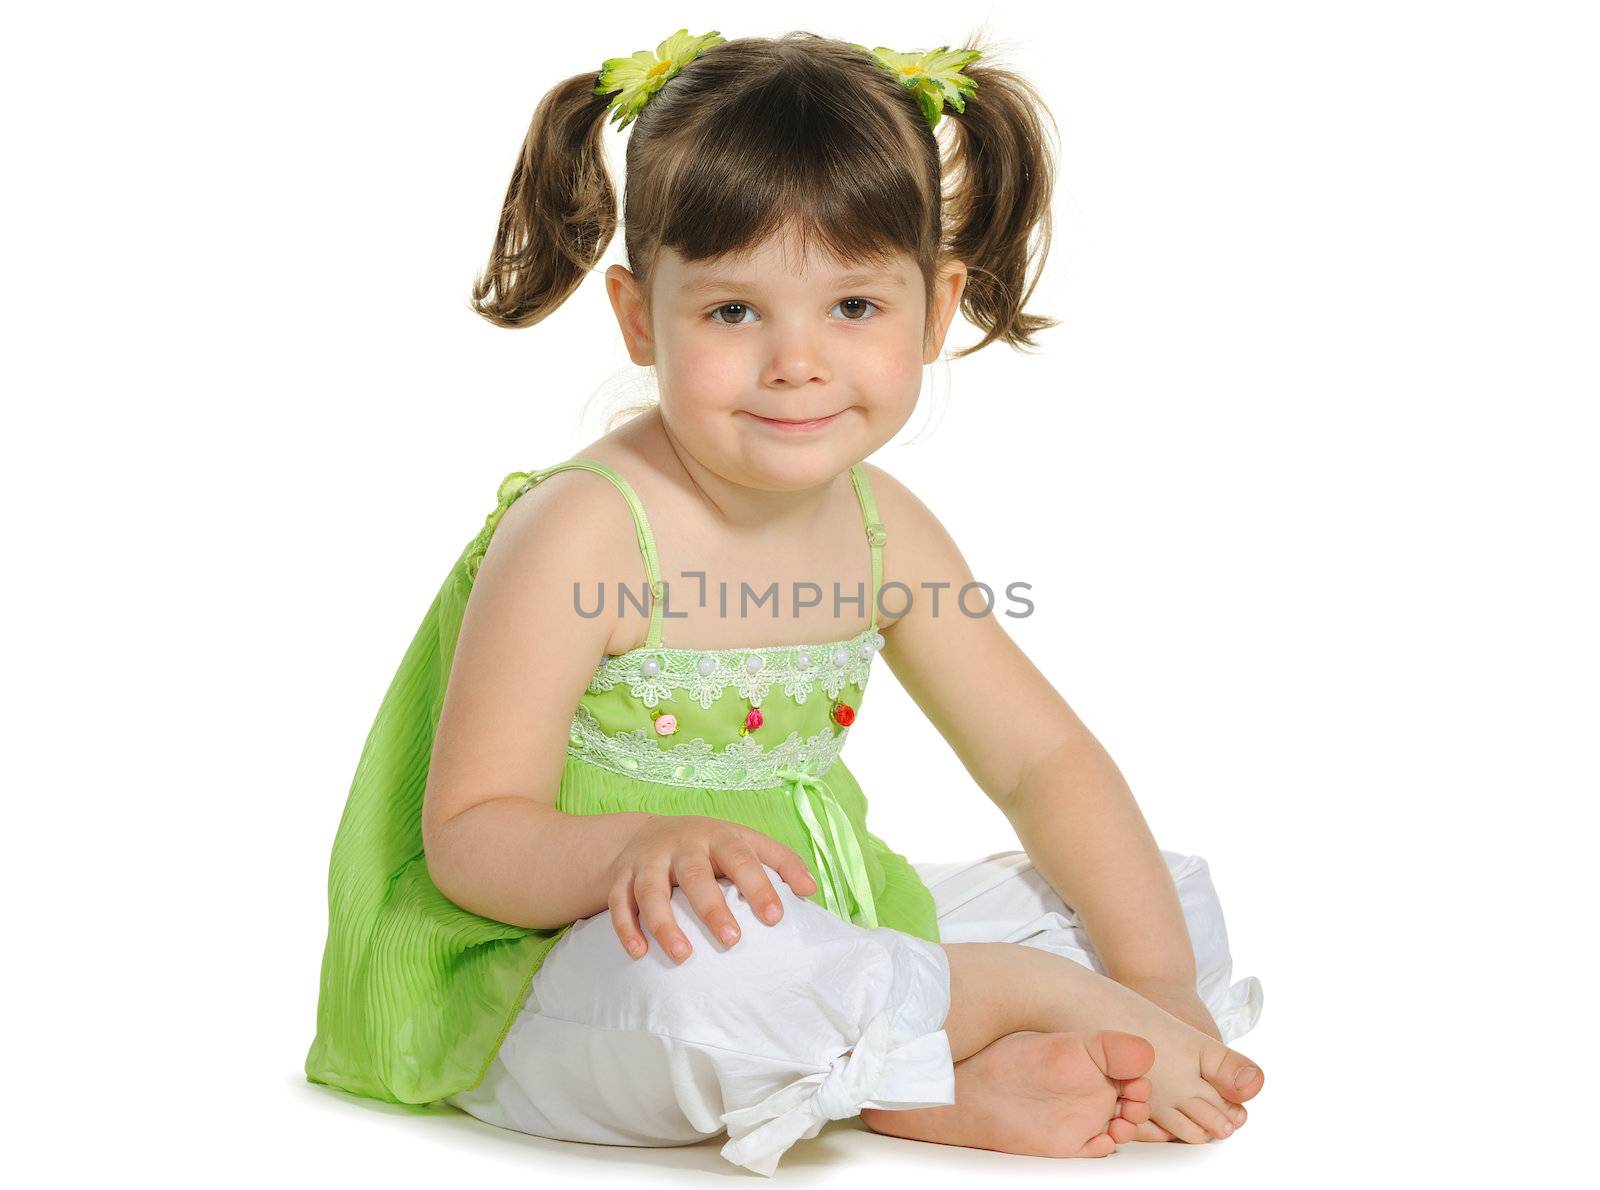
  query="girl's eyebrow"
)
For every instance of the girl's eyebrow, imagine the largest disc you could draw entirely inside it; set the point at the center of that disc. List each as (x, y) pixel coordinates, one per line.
(710, 284)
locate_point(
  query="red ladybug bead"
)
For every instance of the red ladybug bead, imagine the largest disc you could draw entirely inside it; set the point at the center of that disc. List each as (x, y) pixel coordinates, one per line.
(844, 714)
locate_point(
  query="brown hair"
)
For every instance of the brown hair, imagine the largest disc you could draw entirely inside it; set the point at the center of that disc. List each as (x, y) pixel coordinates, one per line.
(758, 134)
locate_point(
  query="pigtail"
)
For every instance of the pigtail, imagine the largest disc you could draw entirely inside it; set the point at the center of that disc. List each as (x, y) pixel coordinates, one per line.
(1003, 168)
(560, 210)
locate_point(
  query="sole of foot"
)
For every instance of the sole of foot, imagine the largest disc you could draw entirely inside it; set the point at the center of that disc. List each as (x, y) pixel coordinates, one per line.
(1076, 1094)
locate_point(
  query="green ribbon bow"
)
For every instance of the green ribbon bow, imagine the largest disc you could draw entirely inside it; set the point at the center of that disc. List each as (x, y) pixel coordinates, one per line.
(844, 872)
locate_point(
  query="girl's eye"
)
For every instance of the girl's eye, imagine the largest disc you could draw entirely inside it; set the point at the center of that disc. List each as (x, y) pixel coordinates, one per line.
(858, 303)
(728, 306)
(857, 313)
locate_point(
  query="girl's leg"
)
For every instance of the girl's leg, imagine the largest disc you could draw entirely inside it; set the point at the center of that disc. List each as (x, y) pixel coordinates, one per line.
(1003, 898)
(798, 1023)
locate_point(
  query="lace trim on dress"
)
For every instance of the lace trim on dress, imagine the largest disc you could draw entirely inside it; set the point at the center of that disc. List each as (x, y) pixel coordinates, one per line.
(652, 675)
(744, 764)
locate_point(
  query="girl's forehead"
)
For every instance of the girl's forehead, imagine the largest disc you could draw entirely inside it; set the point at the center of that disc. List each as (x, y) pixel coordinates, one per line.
(773, 263)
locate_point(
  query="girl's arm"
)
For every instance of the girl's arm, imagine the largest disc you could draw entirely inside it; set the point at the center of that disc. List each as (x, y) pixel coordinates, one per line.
(1030, 753)
(494, 840)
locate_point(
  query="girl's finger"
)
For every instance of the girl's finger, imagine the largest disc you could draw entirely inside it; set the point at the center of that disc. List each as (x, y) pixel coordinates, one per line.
(743, 866)
(653, 891)
(786, 862)
(624, 919)
(698, 879)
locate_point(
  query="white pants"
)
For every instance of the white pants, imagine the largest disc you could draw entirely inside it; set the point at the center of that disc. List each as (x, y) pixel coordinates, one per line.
(752, 1039)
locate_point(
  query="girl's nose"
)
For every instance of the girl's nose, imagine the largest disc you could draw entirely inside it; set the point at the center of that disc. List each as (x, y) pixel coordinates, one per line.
(796, 359)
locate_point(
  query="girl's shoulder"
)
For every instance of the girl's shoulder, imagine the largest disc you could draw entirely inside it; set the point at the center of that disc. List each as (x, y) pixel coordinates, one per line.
(918, 548)
(570, 498)
(569, 525)
(905, 518)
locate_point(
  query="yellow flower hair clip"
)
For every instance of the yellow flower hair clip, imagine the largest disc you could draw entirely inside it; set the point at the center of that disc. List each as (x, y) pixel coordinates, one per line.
(934, 77)
(640, 76)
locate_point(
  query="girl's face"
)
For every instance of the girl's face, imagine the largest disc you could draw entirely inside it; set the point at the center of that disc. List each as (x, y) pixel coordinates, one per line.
(778, 374)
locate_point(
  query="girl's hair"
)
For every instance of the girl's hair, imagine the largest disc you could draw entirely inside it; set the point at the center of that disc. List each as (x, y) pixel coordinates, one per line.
(759, 134)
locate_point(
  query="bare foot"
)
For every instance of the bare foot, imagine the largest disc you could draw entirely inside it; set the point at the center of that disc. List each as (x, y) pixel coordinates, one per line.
(1196, 1083)
(1039, 1094)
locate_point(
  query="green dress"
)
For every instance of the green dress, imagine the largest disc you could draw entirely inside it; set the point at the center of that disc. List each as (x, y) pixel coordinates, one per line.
(416, 992)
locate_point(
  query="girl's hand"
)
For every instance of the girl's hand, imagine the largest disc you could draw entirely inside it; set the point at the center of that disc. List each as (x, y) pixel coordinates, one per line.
(692, 851)
(1180, 998)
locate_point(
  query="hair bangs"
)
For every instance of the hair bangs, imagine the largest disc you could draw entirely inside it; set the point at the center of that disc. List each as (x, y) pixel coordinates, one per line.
(784, 157)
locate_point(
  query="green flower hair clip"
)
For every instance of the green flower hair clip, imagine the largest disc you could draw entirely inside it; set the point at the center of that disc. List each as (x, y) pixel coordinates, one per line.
(640, 76)
(934, 77)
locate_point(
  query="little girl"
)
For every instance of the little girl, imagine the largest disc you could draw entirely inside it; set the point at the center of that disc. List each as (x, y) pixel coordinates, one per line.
(596, 885)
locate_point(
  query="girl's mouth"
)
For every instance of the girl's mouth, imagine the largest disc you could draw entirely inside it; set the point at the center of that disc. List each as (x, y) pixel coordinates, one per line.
(796, 427)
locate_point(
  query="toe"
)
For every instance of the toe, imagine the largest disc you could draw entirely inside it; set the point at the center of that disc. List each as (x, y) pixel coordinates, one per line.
(1098, 1146)
(1153, 1132)
(1181, 1126)
(1208, 1116)
(1135, 1088)
(1134, 1111)
(1134, 1103)
(1122, 1055)
(1234, 1076)
(1122, 1130)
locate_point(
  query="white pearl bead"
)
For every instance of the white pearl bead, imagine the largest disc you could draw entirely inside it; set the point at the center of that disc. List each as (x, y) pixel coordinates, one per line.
(802, 661)
(840, 656)
(706, 666)
(650, 667)
(877, 641)
(752, 663)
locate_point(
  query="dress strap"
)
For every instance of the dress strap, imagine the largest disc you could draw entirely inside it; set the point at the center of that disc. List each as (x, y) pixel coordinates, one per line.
(647, 539)
(876, 535)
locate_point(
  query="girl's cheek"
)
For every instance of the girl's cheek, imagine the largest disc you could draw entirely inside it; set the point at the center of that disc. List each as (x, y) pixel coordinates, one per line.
(708, 369)
(890, 366)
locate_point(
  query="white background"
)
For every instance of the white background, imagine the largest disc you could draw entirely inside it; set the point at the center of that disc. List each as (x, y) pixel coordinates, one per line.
(1304, 484)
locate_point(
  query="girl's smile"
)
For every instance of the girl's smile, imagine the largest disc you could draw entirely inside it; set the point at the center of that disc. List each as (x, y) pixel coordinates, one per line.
(796, 427)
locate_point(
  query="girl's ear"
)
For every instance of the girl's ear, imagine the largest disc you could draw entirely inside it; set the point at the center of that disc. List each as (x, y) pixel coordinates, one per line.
(947, 289)
(633, 316)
